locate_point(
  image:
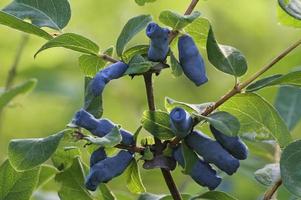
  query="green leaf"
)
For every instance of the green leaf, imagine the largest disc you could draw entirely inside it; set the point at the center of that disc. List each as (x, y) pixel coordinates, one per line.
(17, 185)
(71, 41)
(147, 154)
(176, 67)
(199, 29)
(257, 116)
(142, 2)
(47, 172)
(132, 27)
(290, 167)
(291, 7)
(91, 64)
(72, 183)
(170, 104)
(133, 178)
(262, 83)
(63, 158)
(54, 14)
(288, 105)
(286, 19)
(224, 122)
(128, 54)
(225, 58)
(26, 154)
(292, 78)
(23, 88)
(214, 195)
(190, 158)
(93, 104)
(157, 123)
(268, 175)
(16, 23)
(177, 21)
(110, 140)
(106, 192)
(138, 65)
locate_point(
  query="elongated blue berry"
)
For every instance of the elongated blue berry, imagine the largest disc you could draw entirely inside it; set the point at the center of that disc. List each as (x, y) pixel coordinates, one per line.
(103, 171)
(233, 145)
(100, 127)
(201, 172)
(98, 155)
(191, 60)
(114, 71)
(181, 122)
(212, 152)
(159, 44)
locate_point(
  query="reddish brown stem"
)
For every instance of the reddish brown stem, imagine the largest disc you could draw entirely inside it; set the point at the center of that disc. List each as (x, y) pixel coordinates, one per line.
(270, 193)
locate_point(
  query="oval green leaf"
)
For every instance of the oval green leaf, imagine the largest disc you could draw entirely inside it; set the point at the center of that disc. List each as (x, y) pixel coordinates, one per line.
(177, 21)
(157, 123)
(54, 14)
(191, 108)
(131, 28)
(224, 122)
(110, 140)
(291, 7)
(72, 183)
(71, 41)
(258, 117)
(290, 163)
(133, 51)
(225, 58)
(199, 29)
(175, 65)
(17, 185)
(288, 105)
(10, 94)
(133, 178)
(18, 24)
(268, 175)
(25, 154)
(292, 78)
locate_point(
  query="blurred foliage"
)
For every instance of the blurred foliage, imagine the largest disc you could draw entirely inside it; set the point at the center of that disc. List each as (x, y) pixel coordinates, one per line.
(250, 26)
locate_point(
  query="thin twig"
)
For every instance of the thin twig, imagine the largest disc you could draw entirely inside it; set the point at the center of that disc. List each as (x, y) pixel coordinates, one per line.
(13, 69)
(151, 105)
(270, 193)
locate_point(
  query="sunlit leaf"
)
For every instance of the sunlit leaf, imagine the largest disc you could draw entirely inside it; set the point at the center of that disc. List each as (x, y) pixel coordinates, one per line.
(132, 27)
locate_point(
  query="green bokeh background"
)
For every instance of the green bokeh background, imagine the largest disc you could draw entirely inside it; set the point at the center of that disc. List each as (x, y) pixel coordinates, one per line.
(250, 26)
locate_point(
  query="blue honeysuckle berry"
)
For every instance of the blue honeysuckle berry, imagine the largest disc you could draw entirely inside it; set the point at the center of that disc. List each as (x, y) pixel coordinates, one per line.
(212, 152)
(191, 60)
(85, 120)
(114, 71)
(98, 155)
(105, 170)
(159, 44)
(181, 122)
(201, 172)
(232, 144)
(100, 127)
